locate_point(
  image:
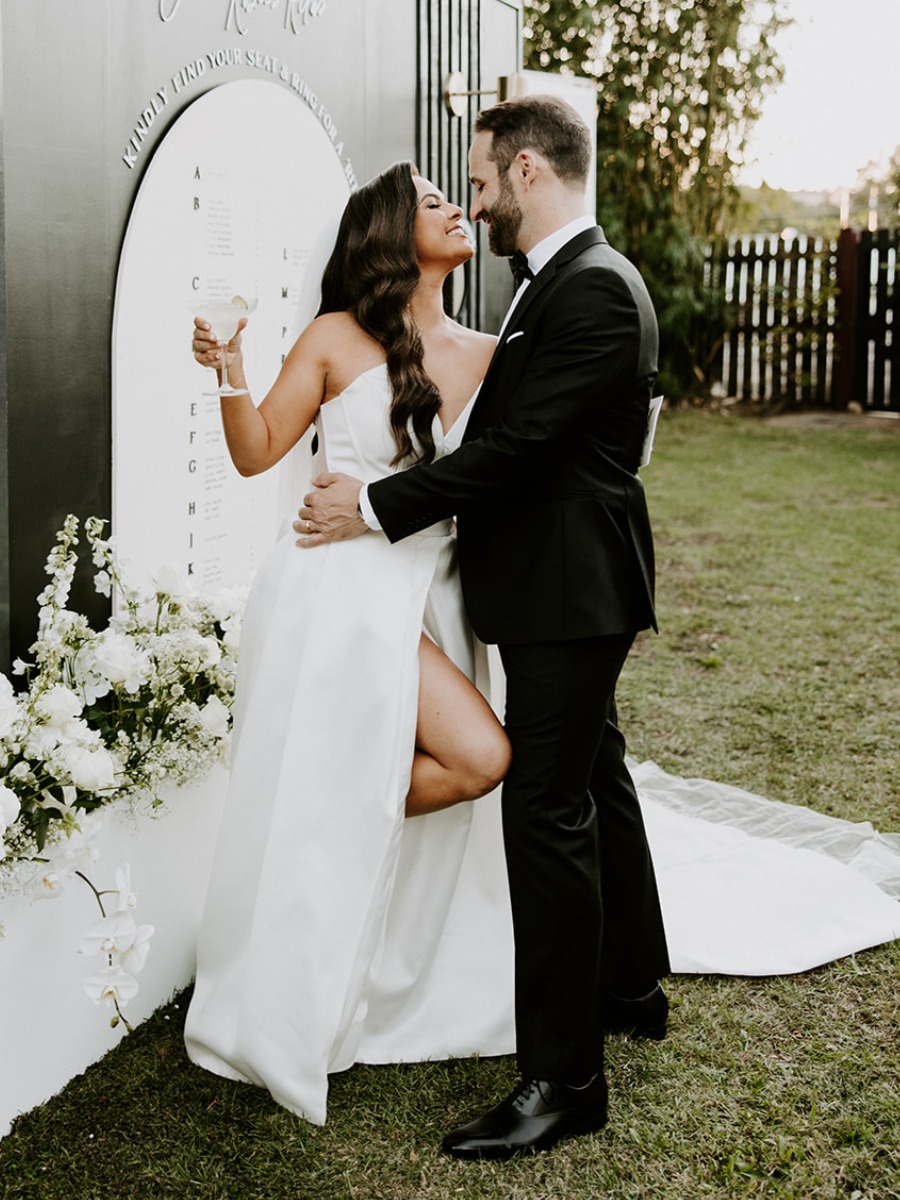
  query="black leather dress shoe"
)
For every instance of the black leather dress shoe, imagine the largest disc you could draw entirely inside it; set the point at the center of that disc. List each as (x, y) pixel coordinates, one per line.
(646, 1017)
(534, 1116)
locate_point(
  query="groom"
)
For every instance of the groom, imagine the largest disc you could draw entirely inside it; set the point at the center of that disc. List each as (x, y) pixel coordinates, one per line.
(556, 562)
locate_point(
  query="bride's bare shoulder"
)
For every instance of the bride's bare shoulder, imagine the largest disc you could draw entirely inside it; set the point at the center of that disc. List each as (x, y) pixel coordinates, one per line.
(335, 337)
(344, 349)
(337, 324)
(334, 329)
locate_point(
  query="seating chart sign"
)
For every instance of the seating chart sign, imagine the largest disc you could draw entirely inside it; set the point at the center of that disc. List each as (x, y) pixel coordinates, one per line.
(233, 202)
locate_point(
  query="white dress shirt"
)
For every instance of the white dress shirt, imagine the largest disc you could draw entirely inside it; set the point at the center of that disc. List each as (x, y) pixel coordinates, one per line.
(538, 256)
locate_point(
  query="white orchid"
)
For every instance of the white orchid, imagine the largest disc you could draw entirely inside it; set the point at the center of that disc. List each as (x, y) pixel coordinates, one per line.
(125, 897)
(52, 881)
(120, 938)
(109, 935)
(134, 957)
(112, 984)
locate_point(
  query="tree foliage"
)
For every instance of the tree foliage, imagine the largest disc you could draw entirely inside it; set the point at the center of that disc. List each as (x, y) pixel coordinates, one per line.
(878, 192)
(679, 86)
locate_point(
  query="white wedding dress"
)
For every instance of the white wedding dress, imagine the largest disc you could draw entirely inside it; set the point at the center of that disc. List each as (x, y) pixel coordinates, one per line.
(337, 932)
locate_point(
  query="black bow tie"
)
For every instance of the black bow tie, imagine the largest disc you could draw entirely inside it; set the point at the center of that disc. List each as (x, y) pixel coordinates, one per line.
(518, 264)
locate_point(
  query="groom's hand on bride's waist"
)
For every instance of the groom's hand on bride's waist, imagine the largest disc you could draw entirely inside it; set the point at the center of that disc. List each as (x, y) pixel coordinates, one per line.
(330, 513)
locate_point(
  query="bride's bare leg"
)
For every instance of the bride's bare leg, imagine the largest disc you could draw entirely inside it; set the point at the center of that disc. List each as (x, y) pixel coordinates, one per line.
(462, 751)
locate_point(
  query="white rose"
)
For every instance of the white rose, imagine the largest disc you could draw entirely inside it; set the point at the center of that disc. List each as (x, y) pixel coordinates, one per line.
(41, 741)
(119, 660)
(59, 706)
(92, 770)
(9, 807)
(9, 708)
(227, 604)
(214, 717)
(170, 581)
(210, 652)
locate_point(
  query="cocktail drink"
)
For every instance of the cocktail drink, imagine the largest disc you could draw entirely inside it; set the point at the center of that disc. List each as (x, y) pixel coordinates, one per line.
(224, 317)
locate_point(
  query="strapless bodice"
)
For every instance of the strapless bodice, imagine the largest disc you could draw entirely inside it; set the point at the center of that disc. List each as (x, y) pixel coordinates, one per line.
(354, 431)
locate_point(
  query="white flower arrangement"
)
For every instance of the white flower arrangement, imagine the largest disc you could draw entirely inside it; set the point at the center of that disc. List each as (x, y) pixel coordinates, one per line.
(104, 715)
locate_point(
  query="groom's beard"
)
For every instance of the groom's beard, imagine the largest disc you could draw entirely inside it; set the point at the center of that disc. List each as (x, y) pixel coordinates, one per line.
(505, 220)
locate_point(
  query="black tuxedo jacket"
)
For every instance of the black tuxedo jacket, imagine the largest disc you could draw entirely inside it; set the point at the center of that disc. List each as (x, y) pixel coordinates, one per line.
(554, 535)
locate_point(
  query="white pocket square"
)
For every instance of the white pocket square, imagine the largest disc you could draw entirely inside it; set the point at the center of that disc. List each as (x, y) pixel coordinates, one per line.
(652, 417)
(512, 337)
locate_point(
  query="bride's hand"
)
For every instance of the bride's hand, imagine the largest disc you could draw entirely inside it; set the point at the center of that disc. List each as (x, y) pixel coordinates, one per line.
(207, 349)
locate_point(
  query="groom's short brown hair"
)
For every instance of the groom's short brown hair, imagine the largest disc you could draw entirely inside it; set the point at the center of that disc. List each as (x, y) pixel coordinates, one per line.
(543, 123)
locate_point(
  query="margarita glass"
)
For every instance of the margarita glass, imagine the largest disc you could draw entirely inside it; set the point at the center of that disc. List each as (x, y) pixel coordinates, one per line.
(224, 316)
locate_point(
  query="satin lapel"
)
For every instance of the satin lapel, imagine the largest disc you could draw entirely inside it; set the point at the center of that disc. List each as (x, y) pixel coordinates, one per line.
(547, 273)
(541, 281)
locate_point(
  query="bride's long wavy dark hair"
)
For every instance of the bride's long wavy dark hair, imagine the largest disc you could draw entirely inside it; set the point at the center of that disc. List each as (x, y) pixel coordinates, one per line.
(372, 273)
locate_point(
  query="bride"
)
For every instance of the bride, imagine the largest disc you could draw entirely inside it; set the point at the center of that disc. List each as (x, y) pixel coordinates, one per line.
(335, 930)
(333, 927)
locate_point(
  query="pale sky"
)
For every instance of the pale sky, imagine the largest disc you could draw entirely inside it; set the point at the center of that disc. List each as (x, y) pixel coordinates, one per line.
(839, 104)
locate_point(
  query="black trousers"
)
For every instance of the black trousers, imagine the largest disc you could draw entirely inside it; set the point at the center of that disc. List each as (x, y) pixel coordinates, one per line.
(585, 906)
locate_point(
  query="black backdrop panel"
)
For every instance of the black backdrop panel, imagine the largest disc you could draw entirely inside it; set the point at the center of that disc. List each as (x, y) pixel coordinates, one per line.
(89, 87)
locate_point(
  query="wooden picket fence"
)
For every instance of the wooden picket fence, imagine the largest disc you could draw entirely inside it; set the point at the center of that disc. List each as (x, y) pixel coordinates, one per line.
(876, 344)
(809, 322)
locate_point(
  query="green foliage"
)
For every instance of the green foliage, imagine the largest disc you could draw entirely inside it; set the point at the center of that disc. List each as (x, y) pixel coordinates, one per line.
(680, 84)
(771, 210)
(878, 191)
(818, 214)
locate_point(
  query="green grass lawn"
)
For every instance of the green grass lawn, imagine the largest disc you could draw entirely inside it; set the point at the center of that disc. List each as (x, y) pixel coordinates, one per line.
(776, 669)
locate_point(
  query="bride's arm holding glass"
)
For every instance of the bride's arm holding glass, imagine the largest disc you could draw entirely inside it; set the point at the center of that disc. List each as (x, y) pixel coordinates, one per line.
(259, 437)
